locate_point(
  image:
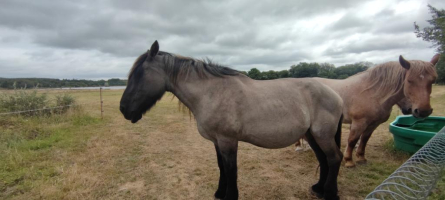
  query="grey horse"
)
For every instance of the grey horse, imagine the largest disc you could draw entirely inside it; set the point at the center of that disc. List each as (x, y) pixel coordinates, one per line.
(230, 107)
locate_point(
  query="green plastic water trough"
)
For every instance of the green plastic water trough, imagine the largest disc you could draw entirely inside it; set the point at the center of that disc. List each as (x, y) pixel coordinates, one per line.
(410, 133)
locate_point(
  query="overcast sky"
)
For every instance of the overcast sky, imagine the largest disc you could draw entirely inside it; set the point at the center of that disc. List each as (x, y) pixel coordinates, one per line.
(101, 39)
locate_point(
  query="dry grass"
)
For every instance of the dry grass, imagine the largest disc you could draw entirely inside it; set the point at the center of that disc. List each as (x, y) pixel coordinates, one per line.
(164, 157)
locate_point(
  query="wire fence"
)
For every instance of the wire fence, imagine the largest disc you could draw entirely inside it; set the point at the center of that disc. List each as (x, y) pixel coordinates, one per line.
(418, 176)
(36, 110)
(57, 107)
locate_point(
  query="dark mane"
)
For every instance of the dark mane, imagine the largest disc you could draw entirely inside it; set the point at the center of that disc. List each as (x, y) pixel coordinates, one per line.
(180, 67)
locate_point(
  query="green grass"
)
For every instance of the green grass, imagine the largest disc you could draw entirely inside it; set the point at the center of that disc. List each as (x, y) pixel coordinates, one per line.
(31, 147)
(439, 191)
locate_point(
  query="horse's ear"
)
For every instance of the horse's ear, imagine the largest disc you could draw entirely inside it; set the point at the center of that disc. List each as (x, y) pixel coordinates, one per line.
(435, 59)
(405, 64)
(154, 49)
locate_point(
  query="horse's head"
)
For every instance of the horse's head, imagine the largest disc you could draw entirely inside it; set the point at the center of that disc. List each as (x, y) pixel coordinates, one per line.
(405, 106)
(146, 85)
(418, 81)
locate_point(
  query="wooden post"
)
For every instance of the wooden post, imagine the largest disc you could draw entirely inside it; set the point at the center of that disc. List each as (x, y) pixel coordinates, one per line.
(101, 105)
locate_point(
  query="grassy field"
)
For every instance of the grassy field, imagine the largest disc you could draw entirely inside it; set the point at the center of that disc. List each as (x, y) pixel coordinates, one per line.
(79, 156)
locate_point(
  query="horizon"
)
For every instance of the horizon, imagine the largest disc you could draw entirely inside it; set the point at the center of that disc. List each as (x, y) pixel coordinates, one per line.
(100, 79)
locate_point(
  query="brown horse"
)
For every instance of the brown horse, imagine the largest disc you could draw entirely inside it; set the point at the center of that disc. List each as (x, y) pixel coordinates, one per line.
(369, 97)
(230, 107)
(404, 105)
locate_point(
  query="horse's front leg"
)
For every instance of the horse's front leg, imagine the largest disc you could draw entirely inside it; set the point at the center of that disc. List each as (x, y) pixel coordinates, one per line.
(363, 141)
(228, 149)
(357, 128)
(222, 185)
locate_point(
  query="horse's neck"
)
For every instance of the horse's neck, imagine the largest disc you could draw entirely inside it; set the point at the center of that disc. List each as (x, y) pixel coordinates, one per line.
(189, 90)
(388, 103)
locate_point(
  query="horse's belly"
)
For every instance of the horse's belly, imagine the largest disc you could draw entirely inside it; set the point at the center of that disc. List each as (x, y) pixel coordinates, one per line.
(274, 139)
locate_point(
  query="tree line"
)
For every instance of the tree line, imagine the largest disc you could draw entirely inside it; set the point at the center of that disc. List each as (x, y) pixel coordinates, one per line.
(304, 69)
(13, 83)
(300, 70)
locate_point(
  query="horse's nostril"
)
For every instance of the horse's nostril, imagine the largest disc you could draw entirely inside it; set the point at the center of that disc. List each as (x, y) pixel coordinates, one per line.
(416, 111)
(122, 108)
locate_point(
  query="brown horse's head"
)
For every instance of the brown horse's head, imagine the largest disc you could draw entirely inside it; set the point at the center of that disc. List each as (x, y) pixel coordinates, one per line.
(418, 81)
(146, 85)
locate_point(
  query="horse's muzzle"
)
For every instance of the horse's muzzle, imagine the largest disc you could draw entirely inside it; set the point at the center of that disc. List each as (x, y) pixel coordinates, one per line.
(422, 113)
(133, 116)
(408, 111)
(122, 109)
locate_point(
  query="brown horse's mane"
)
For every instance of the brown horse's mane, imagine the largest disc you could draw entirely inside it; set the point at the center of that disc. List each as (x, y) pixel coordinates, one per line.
(388, 78)
(177, 66)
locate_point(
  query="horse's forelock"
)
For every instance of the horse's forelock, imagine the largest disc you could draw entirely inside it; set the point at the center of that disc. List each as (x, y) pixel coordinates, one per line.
(419, 67)
(138, 63)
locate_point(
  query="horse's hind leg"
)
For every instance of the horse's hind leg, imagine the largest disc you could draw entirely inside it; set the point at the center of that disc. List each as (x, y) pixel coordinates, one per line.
(228, 149)
(318, 188)
(325, 137)
(333, 158)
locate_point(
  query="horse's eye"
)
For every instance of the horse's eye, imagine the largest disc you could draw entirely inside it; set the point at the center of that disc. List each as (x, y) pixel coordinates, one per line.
(410, 81)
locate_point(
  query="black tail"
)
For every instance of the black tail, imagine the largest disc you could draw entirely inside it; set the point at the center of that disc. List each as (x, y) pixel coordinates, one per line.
(338, 134)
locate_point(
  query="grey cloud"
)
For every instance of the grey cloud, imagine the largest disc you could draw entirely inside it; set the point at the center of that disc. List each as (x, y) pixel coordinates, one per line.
(350, 22)
(377, 43)
(112, 33)
(107, 26)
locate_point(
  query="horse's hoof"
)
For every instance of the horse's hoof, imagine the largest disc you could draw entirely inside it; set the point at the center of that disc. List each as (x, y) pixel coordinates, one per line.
(219, 195)
(349, 164)
(315, 193)
(361, 161)
(332, 198)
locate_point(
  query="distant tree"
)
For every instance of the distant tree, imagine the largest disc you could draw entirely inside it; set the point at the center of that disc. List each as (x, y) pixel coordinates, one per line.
(4, 84)
(440, 68)
(116, 82)
(327, 70)
(435, 34)
(269, 75)
(365, 64)
(349, 70)
(53, 83)
(304, 69)
(283, 74)
(342, 76)
(254, 73)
